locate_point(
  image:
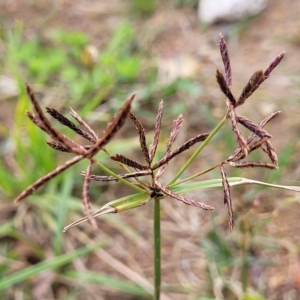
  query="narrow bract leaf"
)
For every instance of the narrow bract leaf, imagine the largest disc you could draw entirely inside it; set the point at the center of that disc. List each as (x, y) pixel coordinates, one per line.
(115, 206)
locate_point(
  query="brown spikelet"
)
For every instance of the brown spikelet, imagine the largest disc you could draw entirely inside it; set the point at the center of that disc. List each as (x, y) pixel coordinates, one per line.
(238, 136)
(41, 181)
(142, 136)
(273, 64)
(36, 121)
(226, 61)
(224, 88)
(54, 134)
(256, 79)
(185, 146)
(241, 155)
(156, 130)
(175, 130)
(58, 146)
(92, 136)
(66, 122)
(271, 151)
(252, 135)
(126, 161)
(185, 200)
(256, 129)
(253, 164)
(270, 117)
(86, 195)
(227, 198)
(111, 178)
(112, 128)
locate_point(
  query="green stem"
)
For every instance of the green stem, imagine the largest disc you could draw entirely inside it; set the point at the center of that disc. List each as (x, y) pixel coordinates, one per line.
(199, 149)
(193, 176)
(157, 249)
(111, 173)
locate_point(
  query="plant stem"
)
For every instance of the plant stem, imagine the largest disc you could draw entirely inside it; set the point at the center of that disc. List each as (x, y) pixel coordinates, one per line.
(157, 248)
(199, 149)
(111, 173)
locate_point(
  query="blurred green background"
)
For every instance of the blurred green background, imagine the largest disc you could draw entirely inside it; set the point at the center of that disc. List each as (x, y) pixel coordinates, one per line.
(90, 56)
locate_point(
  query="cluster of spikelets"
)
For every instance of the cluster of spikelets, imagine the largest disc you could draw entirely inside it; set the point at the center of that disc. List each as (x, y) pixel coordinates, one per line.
(259, 138)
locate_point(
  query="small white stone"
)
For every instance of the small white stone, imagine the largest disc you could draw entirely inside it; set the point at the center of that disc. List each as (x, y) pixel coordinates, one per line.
(212, 11)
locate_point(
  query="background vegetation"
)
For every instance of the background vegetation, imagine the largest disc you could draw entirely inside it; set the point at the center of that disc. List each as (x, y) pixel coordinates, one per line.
(90, 57)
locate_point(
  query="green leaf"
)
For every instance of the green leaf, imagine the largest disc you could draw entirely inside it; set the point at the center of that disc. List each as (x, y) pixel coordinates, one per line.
(108, 282)
(53, 263)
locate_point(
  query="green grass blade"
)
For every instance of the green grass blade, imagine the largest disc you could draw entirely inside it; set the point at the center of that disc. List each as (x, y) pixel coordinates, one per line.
(108, 282)
(49, 264)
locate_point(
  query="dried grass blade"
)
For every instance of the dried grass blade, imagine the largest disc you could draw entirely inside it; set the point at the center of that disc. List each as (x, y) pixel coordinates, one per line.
(126, 161)
(227, 198)
(112, 178)
(156, 130)
(253, 164)
(112, 128)
(41, 181)
(66, 122)
(224, 88)
(273, 64)
(256, 79)
(175, 130)
(256, 129)
(185, 146)
(86, 195)
(93, 137)
(185, 200)
(54, 134)
(226, 60)
(142, 137)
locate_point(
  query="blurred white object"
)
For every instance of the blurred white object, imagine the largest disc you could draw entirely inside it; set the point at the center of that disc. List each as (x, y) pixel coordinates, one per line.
(212, 11)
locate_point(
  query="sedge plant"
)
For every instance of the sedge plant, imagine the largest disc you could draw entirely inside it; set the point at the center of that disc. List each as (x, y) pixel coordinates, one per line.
(144, 177)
